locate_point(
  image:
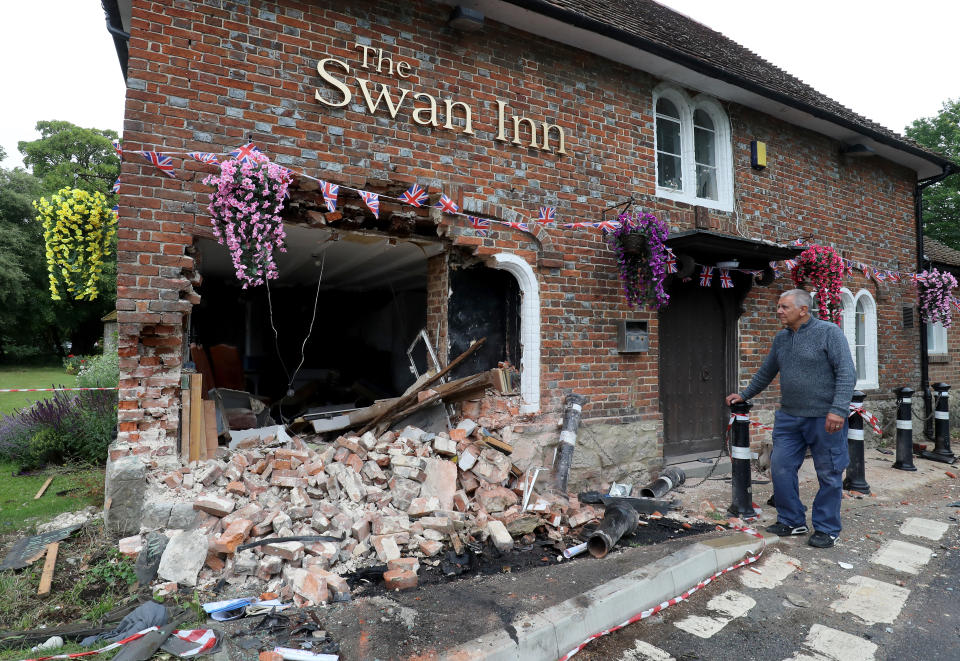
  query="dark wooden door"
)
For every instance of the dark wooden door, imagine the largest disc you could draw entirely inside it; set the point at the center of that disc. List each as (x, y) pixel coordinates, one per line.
(697, 343)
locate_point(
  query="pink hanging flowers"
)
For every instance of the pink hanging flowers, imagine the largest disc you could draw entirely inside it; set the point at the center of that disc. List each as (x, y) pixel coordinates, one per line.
(245, 211)
(823, 268)
(638, 241)
(934, 291)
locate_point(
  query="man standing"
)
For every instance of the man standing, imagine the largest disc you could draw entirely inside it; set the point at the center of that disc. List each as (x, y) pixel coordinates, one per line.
(817, 378)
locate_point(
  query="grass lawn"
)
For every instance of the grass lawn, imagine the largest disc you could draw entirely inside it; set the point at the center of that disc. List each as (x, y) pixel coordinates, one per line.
(29, 377)
(73, 488)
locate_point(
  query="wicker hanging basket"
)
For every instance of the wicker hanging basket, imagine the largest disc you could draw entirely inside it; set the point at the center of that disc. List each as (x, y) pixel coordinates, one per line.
(635, 244)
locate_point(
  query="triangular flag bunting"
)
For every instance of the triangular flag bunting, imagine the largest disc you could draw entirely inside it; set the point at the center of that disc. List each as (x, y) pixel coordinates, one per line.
(161, 162)
(372, 200)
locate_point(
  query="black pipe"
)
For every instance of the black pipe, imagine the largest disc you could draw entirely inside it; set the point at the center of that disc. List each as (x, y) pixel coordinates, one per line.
(572, 407)
(904, 460)
(670, 478)
(856, 479)
(918, 189)
(619, 519)
(740, 456)
(941, 451)
(120, 37)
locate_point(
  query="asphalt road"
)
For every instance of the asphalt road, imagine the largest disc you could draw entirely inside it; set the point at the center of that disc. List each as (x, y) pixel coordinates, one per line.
(806, 606)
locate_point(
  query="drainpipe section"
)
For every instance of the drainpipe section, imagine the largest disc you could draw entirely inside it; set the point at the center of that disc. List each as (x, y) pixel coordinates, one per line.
(948, 169)
(115, 27)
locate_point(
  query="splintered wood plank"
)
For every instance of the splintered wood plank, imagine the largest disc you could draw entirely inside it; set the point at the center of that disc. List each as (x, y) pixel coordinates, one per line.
(185, 425)
(210, 426)
(47, 576)
(198, 443)
(43, 488)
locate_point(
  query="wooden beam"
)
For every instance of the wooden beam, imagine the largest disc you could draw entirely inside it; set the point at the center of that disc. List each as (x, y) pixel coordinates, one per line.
(47, 576)
(210, 427)
(185, 425)
(43, 488)
(198, 443)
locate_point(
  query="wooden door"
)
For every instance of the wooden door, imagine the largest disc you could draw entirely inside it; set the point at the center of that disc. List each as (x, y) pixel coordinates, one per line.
(697, 359)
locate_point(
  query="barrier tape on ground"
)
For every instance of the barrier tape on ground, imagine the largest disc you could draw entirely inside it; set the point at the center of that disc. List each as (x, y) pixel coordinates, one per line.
(868, 417)
(676, 600)
(111, 646)
(51, 389)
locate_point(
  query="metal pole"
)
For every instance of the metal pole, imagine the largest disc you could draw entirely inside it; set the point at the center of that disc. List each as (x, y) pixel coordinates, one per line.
(856, 472)
(740, 456)
(572, 406)
(904, 460)
(941, 451)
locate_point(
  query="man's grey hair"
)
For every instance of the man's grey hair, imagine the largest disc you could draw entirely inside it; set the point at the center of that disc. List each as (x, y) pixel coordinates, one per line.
(801, 297)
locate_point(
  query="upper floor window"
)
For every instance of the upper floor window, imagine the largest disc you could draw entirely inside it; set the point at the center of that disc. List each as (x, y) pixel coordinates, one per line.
(694, 159)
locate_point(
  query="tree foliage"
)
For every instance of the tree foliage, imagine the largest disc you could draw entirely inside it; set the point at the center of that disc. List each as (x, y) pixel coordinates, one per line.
(68, 155)
(941, 202)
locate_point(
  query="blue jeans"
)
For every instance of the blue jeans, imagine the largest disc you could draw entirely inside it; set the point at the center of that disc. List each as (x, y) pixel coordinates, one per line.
(792, 435)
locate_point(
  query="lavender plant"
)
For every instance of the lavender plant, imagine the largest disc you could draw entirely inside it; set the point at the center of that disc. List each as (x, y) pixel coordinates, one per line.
(642, 273)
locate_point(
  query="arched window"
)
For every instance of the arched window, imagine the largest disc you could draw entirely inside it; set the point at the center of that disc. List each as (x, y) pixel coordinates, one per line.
(694, 158)
(860, 329)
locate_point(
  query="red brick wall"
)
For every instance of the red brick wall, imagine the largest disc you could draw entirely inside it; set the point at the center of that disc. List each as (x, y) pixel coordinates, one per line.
(202, 77)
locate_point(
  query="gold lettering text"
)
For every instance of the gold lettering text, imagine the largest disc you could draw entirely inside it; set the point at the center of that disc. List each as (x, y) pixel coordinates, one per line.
(400, 69)
(431, 110)
(383, 96)
(517, 121)
(546, 137)
(327, 76)
(367, 51)
(501, 128)
(467, 124)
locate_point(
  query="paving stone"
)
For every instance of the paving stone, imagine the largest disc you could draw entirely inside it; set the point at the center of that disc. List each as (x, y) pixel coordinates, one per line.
(902, 556)
(926, 528)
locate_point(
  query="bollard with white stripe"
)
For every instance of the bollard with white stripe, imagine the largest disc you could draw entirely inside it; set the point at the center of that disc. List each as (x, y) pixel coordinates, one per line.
(856, 479)
(740, 456)
(572, 409)
(941, 424)
(904, 460)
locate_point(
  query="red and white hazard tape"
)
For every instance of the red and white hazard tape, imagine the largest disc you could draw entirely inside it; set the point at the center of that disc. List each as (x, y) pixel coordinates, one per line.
(743, 418)
(676, 600)
(50, 389)
(111, 646)
(870, 418)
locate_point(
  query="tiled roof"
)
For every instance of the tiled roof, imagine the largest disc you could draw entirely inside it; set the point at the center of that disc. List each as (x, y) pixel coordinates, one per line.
(941, 253)
(675, 36)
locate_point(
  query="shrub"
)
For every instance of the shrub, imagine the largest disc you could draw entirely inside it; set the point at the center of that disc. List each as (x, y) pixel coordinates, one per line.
(99, 371)
(60, 429)
(73, 364)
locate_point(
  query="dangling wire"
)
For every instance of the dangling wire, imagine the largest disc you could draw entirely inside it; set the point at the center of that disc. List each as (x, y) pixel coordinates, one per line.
(303, 347)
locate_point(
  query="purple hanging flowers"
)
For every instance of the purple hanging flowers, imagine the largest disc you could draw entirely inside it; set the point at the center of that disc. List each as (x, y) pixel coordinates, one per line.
(641, 258)
(934, 291)
(245, 213)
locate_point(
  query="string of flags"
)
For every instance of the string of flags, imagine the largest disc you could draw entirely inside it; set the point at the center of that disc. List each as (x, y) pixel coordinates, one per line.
(417, 196)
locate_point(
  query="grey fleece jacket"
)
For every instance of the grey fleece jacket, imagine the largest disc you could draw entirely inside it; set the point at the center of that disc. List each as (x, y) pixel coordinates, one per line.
(817, 375)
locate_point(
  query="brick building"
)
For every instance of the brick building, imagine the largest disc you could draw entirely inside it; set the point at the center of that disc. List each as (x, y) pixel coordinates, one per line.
(505, 107)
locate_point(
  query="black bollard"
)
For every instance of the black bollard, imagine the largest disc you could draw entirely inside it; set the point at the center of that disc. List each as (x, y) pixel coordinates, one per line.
(740, 456)
(619, 519)
(941, 422)
(904, 460)
(669, 479)
(856, 479)
(572, 407)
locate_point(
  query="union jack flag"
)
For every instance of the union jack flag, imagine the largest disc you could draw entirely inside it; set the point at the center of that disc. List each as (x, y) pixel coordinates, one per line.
(247, 154)
(518, 226)
(706, 276)
(117, 148)
(606, 225)
(415, 196)
(481, 225)
(956, 304)
(798, 242)
(116, 186)
(865, 269)
(330, 194)
(116, 211)
(726, 281)
(671, 261)
(879, 275)
(372, 200)
(848, 265)
(893, 276)
(790, 264)
(547, 215)
(917, 278)
(448, 205)
(203, 156)
(161, 162)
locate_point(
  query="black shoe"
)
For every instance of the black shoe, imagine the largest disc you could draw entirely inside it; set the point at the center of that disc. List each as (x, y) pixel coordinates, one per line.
(783, 530)
(821, 540)
(771, 502)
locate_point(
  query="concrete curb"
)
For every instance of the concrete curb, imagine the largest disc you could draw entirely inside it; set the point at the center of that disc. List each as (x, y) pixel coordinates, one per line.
(549, 634)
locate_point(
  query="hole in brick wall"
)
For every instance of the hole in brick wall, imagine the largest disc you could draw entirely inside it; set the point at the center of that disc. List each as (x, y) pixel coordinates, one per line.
(372, 302)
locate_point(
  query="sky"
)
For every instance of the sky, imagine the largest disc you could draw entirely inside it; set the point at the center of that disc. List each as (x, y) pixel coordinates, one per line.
(887, 60)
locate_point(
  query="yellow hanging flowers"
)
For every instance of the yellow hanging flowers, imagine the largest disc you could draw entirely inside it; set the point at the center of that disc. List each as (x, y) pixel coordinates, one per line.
(78, 228)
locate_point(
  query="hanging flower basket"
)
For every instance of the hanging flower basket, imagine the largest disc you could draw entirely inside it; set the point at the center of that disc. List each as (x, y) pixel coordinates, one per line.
(78, 231)
(245, 213)
(822, 267)
(934, 291)
(641, 258)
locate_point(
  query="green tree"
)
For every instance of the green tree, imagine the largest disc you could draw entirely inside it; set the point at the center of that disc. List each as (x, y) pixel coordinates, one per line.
(941, 202)
(68, 155)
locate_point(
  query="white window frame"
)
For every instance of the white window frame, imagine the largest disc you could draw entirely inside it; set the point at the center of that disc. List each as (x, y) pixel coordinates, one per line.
(937, 333)
(723, 149)
(871, 381)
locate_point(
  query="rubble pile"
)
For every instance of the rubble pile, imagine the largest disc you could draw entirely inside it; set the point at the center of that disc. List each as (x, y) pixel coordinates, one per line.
(398, 499)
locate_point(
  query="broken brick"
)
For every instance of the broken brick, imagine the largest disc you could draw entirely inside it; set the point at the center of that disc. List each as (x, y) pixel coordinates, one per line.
(399, 579)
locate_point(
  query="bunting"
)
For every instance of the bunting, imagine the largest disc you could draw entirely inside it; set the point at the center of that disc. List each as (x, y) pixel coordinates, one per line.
(547, 215)
(448, 205)
(247, 153)
(415, 196)
(203, 157)
(117, 148)
(481, 225)
(671, 262)
(372, 200)
(330, 194)
(706, 276)
(159, 161)
(116, 186)
(726, 282)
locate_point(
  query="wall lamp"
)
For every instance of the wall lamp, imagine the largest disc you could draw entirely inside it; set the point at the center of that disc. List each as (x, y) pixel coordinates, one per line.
(465, 19)
(857, 150)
